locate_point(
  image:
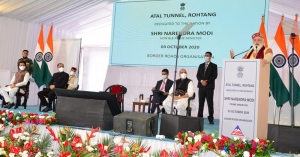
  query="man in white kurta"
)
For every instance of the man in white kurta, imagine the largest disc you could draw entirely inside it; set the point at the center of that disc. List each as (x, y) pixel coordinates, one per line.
(19, 79)
(73, 80)
(184, 90)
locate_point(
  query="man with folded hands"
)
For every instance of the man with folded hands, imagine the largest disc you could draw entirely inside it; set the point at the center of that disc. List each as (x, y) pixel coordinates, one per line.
(184, 89)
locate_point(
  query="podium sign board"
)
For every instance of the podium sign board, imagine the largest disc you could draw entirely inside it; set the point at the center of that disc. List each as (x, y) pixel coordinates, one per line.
(244, 99)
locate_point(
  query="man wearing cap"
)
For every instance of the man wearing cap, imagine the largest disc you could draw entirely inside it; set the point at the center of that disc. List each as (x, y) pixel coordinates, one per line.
(259, 51)
(73, 80)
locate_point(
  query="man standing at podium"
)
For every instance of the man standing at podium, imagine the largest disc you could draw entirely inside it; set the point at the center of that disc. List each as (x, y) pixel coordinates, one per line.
(259, 51)
(206, 76)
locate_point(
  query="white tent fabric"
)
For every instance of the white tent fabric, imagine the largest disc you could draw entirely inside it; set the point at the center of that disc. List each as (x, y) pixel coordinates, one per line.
(94, 62)
(66, 51)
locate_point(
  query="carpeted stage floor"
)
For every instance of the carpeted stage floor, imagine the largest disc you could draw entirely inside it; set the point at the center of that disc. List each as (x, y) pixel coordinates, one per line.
(207, 128)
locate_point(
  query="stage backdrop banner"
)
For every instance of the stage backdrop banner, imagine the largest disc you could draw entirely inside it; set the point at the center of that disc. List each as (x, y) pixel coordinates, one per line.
(66, 51)
(144, 33)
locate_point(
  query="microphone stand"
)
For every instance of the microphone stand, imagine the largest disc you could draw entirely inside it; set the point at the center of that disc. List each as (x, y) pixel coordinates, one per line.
(178, 37)
(293, 35)
(241, 53)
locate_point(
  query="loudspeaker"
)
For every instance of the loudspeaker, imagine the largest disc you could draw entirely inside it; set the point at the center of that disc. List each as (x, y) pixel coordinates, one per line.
(170, 125)
(110, 98)
(136, 123)
(84, 113)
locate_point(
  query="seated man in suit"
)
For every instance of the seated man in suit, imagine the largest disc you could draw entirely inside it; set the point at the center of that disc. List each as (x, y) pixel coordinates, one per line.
(184, 88)
(58, 80)
(73, 80)
(20, 79)
(161, 90)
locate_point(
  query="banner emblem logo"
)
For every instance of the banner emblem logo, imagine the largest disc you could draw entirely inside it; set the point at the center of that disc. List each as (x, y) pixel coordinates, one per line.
(240, 71)
(237, 131)
(182, 6)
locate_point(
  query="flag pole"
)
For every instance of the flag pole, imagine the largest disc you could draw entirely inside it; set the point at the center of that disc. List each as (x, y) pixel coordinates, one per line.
(274, 114)
(293, 35)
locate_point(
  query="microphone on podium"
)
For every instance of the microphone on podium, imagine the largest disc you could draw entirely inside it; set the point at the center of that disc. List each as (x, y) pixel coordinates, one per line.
(242, 52)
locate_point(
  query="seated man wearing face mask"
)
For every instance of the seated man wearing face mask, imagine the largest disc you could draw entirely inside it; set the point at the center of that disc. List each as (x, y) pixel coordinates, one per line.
(73, 80)
(184, 88)
(161, 90)
(58, 80)
(20, 79)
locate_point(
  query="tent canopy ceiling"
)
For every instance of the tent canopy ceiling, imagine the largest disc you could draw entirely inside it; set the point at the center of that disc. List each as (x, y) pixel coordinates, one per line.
(77, 16)
(69, 15)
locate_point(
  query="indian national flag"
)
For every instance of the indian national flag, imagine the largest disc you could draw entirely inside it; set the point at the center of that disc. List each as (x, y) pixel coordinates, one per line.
(38, 59)
(262, 30)
(293, 61)
(48, 59)
(279, 73)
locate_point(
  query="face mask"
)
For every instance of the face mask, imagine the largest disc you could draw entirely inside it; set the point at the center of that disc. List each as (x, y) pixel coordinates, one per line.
(183, 75)
(164, 76)
(72, 73)
(206, 59)
(60, 69)
(22, 67)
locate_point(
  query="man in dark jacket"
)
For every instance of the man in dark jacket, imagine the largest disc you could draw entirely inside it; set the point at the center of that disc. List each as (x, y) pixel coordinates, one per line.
(206, 76)
(59, 80)
(161, 90)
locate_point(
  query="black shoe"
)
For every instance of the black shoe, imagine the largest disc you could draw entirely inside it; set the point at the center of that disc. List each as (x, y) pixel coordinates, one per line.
(11, 105)
(16, 107)
(211, 120)
(163, 111)
(44, 104)
(6, 106)
(46, 109)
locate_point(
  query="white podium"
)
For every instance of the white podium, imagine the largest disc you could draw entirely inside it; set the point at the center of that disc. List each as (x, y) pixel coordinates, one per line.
(244, 98)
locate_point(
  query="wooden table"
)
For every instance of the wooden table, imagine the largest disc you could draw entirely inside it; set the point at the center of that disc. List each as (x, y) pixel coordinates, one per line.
(139, 104)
